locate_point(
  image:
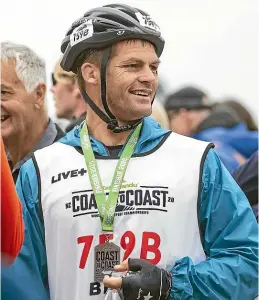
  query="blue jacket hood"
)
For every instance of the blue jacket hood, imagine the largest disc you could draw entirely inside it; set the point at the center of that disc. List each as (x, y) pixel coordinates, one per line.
(151, 134)
(238, 137)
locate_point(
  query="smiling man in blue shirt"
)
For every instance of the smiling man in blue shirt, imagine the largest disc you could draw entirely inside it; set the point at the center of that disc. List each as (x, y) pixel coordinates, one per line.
(120, 193)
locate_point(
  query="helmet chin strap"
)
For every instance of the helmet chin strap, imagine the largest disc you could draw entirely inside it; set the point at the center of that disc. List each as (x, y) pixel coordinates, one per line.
(113, 123)
(109, 118)
(105, 58)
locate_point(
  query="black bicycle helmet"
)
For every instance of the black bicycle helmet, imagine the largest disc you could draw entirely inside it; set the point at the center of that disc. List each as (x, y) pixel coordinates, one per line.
(100, 28)
(104, 26)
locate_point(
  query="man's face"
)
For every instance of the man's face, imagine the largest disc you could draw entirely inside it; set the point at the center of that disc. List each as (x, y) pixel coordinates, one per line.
(65, 99)
(132, 80)
(17, 105)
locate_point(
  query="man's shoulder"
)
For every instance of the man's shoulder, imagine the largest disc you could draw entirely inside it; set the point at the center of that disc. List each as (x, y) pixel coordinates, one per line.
(184, 141)
(56, 147)
(51, 134)
(188, 150)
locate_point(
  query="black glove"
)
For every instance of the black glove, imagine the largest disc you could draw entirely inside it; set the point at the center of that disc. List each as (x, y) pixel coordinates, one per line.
(145, 282)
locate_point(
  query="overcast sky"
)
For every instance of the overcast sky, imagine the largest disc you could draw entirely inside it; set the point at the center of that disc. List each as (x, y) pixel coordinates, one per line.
(210, 43)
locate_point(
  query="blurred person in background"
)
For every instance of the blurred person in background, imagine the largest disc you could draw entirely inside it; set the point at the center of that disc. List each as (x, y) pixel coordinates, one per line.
(244, 135)
(247, 178)
(159, 114)
(25, 125)
(191, 114)
(12, 229)
(69, 102)
(243, 114)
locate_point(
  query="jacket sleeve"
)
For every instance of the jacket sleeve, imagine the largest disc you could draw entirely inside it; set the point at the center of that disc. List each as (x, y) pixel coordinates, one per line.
(230, 240)
(27, 276)
(12, 230)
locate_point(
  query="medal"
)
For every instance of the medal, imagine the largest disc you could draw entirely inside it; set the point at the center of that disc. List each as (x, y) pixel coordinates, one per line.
(107, 255)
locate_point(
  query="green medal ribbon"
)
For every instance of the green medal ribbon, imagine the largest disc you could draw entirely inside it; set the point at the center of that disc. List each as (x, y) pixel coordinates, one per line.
(106, 207)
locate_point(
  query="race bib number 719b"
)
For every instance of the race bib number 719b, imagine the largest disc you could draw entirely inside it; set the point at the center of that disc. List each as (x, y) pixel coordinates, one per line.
(148, 245)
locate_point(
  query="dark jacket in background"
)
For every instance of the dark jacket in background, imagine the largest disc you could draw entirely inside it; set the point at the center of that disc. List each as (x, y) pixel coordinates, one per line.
(247, 178)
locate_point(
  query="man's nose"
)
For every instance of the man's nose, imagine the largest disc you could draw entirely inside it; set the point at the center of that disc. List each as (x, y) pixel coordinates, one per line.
(147, 75)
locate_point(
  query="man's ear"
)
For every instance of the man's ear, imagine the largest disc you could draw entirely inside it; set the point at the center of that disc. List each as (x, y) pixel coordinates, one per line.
(90, 73)
(40, 95)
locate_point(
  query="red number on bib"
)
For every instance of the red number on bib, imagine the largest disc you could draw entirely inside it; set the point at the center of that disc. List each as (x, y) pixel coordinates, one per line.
(153, 247)
(87, 240)
(129, 245)
(150, 244)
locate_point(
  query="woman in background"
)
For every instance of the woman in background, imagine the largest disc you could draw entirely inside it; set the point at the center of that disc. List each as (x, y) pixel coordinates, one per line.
(243, 114)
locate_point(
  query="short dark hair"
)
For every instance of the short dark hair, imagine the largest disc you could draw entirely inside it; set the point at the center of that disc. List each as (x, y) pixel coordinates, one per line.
(93, 56)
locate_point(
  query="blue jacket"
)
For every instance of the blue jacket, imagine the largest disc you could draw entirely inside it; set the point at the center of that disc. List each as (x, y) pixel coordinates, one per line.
(227, 225)
(228, 141)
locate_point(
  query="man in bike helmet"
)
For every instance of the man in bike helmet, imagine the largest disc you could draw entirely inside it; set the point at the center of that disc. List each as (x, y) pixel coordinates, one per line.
(126, 204)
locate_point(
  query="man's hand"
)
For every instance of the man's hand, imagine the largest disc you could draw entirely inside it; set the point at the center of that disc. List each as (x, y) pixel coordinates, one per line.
(116, 282)
(146, 282)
